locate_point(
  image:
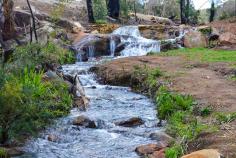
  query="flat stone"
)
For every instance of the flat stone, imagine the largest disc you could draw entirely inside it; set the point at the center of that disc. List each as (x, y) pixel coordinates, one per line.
(132, 122)
(147, 149)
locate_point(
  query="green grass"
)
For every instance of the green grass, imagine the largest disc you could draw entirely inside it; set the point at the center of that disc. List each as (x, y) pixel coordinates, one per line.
(203, 54)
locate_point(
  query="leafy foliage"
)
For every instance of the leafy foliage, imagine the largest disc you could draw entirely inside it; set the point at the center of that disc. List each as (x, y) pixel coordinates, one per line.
(29, 104)
(169, 103)
(100, 10)
(174, 152)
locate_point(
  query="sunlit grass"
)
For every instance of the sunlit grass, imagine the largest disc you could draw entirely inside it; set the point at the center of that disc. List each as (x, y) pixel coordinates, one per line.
(203, 54)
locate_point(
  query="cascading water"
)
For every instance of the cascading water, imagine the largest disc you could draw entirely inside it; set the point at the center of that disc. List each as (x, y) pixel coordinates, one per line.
(136, 45)
(112, 46)
(91, 51)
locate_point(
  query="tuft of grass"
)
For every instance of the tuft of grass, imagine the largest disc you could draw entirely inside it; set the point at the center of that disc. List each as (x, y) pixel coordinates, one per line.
(225, 117)
(174, 152)
(3, 153)
(145, 79)
(206, 111)
(203, 54)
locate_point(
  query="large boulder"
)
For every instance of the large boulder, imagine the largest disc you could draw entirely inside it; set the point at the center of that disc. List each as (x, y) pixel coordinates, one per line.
(157, 154)
(159, 32)
(227, 39)
(206, 153)
(195, 39)
(84, 121)
(132, 122)
(96, 45)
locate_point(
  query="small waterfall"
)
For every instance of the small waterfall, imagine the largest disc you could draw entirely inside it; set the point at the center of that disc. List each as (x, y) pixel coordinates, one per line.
(91, 51)
(79, 57)
(112, 46)
(136, 45)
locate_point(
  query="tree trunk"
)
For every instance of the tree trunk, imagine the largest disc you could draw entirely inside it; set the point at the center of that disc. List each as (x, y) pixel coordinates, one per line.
(90, 11)
(33, 23)
(187, 9)
(182, 15)
(114, 8)
(8, 31)
(212, 12)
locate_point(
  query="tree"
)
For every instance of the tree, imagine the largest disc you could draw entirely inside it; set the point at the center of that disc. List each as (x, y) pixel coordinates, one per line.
(90, 11)
(114, 8)
(212, 11)
(33, 28)
(187, 10)
(182, 9)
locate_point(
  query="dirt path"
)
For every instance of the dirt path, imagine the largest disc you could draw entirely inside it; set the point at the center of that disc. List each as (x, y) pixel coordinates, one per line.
(205, 82)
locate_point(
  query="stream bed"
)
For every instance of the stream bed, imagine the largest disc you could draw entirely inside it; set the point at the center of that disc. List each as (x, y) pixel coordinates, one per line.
(108, 104)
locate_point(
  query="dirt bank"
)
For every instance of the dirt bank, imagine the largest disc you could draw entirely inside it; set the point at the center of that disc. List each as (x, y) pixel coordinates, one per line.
(207, 82)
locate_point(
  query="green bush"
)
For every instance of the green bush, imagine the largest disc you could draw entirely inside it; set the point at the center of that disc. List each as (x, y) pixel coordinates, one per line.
(28, 103)
(36, 55)
(173, 152)
(100, 10)
(3, 153)
(169, 103)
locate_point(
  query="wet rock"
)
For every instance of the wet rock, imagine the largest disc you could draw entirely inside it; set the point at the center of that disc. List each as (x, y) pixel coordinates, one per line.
(13, 152)
(147, 149)
(52, 138)
(84, 121)
(78, 102)
(96, 45)
(157, 154)
(161, 137)
(132, 122)
(227, 39)
(194, 39)
(206, 153)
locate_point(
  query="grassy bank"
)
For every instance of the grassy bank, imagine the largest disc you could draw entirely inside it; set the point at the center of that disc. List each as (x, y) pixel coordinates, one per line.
(30, 100)
(185, 118)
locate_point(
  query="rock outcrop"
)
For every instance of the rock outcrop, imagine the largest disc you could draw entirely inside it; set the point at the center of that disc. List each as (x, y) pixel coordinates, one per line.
(195, 39)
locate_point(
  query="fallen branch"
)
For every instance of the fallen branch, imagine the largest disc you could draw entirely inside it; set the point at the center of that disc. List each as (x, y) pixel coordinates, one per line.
(80, 89)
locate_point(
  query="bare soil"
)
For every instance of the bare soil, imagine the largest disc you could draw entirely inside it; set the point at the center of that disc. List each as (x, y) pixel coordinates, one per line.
(207, 83)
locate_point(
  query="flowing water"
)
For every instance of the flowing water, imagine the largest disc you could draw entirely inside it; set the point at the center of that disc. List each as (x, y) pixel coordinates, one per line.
(108, 104)
(136, 45)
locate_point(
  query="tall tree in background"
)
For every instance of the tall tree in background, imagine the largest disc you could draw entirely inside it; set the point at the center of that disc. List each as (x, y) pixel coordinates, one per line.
(182, 11)
(212, 11)
(187, 11)
(90, 11)
(114, 8)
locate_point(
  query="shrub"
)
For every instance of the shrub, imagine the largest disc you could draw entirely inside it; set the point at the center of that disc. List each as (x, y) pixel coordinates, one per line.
(3, 153)
(36, 55)
(28, 104)
(168, 103)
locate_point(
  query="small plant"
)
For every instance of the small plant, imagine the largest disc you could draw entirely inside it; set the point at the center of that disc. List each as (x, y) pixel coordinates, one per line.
(174, 152)
(168, 103)
(225, 118)
(206, 111)
(3, 153)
